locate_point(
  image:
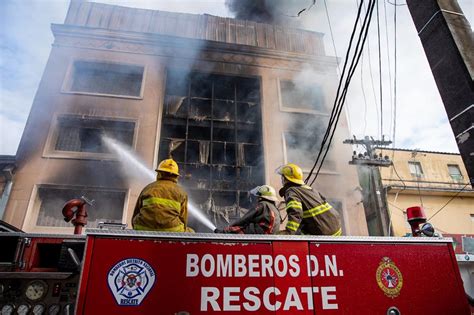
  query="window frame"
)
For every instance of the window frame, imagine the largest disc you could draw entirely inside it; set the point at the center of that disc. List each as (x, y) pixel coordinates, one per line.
(32, 212)
(66, 87)
(49, 150)
(461, 176)
(416, 163)
(305, 170)
(287, 109)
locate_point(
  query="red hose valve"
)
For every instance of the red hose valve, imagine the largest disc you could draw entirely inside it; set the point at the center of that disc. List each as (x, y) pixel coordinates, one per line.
(75, 211)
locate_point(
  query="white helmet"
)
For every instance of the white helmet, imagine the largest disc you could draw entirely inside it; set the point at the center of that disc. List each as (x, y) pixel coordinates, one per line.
(265, 192)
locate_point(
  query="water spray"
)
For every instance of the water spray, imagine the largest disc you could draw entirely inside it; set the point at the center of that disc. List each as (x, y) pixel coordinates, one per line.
(130, 161)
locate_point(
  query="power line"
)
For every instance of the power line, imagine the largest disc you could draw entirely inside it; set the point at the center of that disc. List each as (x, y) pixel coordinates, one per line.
(340, 98)
(380, 72)
(394, 133)
(389, 65)
(337, 56)
(395, 4)
(372, 78)
(447, 203)
(337, 94)
(363, 92)
(362, 84)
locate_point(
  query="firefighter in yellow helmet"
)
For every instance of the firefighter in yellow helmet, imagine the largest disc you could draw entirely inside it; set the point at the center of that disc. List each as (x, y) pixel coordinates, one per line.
(308, 211)
(263, 219)
(163, 204)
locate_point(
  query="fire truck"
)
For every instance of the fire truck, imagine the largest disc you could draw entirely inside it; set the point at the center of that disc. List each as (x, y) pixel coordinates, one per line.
(111, 270)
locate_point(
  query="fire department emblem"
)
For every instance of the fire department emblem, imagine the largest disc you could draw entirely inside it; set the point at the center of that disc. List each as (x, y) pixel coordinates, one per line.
(389, 278)
(130, 280)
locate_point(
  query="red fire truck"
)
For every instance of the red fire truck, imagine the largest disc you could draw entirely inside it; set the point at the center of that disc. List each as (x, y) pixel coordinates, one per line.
(130, 272)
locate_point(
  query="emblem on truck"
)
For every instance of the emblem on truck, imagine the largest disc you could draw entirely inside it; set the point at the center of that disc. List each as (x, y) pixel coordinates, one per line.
(130, 280)
(389, 278)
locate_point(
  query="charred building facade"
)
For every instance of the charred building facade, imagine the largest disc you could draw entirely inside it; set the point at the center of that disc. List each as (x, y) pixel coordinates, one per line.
(230, 100)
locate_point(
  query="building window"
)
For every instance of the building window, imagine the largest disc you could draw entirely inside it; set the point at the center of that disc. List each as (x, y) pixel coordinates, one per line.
(108, 205)
(455, 172)
(86, 134)
(301, 97)
(415, 169)
(106, 78)
(301, 148)
(212, 127)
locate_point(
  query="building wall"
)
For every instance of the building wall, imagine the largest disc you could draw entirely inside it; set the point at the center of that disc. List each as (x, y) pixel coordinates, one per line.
(434, 190)
(38, 164)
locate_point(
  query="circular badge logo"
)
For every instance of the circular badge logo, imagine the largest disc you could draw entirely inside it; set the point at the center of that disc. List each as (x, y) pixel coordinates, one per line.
(130, 280)
(389, 278)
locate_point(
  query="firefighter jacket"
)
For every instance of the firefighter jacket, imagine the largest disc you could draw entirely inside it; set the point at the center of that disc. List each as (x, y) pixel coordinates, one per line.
(264, 219)
(162, 206)
(308, 212)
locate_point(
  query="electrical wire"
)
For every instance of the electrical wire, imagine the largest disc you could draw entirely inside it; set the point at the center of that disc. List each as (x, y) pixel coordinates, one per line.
(332, 35)
(363, 92)
(395, 4)
(372, 80)
(337, 56)
(337, 93)
(389, 66)
(362, 83)
(380, 72)
(355, 60)
(447, 203)
(394, 132)
(340, 97)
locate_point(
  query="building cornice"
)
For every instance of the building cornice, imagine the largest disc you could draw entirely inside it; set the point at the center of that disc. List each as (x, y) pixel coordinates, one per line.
(189, 48)
(439, 191)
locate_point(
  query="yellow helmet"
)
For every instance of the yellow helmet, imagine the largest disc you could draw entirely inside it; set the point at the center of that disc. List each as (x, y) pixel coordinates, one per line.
(265, 192)
(291, 172)
(168, 166)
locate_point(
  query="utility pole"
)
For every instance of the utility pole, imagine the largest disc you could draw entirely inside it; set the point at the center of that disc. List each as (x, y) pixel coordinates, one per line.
(375, 201)
(448, 42)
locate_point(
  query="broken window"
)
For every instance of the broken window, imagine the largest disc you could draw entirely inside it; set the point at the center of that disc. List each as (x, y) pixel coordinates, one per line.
(85, 134)
(302, 96)
(108, 205)
(106, 78)
(212, 127)
(302, 149)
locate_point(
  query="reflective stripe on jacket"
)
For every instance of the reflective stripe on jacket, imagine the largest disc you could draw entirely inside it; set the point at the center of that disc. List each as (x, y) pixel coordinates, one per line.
(161, 206)
(264, 219)
(309, 213)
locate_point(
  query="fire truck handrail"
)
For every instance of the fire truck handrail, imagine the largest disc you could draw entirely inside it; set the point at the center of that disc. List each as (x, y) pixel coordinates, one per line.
(260, 238)
(63, 236)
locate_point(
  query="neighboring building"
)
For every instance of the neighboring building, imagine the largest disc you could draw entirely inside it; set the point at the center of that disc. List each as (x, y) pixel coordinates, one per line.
(435, 180)
(7, 168)
(230, 100)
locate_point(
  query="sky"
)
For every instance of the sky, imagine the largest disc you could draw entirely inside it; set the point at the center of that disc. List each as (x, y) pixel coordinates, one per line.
(420, 123)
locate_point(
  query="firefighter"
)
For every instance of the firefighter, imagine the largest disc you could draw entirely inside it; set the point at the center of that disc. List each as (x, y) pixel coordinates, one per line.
(163, 204)
(263, 219)
(308, 211)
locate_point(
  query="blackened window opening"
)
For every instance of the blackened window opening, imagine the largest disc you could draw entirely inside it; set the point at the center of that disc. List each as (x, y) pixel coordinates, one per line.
(302, 96)
(79, 134)
(212, 128)
(107, 78)
(108, 205)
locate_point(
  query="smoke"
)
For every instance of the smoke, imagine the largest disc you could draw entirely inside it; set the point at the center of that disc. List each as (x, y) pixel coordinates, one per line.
(133, 167)
(90, 80)
(269, 11)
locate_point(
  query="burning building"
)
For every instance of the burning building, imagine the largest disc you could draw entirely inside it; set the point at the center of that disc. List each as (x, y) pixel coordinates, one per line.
(230, 100)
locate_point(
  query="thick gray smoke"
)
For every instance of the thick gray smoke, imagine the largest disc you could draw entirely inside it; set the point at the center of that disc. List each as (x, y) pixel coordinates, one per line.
(269, 11)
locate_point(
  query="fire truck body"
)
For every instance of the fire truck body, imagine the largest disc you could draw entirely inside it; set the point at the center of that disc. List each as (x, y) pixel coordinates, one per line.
(130, 272)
